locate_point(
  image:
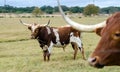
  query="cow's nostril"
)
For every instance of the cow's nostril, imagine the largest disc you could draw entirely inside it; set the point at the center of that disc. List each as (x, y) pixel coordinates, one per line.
(93, 60)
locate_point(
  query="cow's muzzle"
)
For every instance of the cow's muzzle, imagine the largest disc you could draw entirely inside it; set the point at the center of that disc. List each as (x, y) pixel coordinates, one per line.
(94, 61)
(33, 37)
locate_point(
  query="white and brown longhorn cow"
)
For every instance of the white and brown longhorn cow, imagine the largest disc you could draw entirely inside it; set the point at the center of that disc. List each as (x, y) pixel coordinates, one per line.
(55, 36)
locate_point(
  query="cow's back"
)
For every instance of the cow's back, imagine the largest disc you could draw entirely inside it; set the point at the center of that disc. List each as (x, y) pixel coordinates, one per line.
(64, 34)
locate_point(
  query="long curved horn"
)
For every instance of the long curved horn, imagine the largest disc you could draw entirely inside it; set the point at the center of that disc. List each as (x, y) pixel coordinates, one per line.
(80, 27)
(24, 23)
(48, 23)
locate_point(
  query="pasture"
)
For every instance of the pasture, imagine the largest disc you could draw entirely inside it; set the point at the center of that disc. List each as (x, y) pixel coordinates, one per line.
(19, 53)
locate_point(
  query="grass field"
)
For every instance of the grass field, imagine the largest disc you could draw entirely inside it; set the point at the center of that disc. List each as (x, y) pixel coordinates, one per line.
(18, 53)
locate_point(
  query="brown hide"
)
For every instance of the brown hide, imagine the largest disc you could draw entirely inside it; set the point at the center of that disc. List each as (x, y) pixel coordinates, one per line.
(107, 52)
(64, 34)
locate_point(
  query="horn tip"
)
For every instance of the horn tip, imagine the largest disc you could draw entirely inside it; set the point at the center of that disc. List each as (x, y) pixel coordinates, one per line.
(20, 21)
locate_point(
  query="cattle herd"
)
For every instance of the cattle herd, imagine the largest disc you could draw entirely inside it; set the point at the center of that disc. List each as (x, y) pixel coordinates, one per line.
(105, 54)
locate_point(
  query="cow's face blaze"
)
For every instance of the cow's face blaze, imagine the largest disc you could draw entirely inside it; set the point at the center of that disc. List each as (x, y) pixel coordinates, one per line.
(108, 50)
(34, 28)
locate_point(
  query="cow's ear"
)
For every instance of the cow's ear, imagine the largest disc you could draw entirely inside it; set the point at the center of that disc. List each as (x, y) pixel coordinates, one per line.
(29, 27)
(98, 31)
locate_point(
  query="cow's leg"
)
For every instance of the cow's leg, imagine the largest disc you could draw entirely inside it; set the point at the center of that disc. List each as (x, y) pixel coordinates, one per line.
(45, 52)
(48, 57)
(64, 49)
(82, 51)
(74, 46)
(49, 50)
(79, 44)
(44, 55)
(72, 43)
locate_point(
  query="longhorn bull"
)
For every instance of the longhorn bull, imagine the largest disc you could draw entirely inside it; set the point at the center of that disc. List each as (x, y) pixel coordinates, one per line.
(55, 36)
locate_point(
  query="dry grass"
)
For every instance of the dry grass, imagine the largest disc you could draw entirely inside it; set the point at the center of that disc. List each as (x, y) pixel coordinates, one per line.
(18, 53)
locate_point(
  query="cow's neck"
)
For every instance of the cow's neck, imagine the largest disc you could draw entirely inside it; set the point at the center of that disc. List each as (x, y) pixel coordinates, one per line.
(44, 35)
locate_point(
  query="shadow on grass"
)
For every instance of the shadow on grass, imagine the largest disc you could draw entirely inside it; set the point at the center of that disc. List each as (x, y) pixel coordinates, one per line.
(14, 40)
(20, 55)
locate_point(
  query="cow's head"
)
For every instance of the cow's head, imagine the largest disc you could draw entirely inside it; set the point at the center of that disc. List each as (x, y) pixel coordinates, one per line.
(35, 28)
(108, 49)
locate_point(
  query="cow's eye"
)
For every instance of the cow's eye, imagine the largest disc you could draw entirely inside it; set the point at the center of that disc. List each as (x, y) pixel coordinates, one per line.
(117, 34)
(36, 30)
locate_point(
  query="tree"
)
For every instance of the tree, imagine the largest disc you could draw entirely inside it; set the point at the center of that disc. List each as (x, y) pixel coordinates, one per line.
(91, 9)
(56, 9)
(65, 8)
(109, 10)
(47, 9)
(36, 11)
(76, 9)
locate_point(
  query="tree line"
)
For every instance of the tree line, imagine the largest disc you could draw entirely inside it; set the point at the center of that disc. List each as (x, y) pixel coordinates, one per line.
(50, 10)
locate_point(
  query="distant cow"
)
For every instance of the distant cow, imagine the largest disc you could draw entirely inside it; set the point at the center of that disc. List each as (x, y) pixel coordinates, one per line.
(55, 36)
(107, 52)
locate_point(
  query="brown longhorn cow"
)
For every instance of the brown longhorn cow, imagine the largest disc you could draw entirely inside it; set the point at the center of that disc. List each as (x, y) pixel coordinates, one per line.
(108, 49)
(55, 36)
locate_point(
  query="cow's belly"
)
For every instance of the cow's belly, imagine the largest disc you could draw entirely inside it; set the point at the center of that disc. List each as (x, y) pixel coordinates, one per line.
(57, 42)
(59, 45)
